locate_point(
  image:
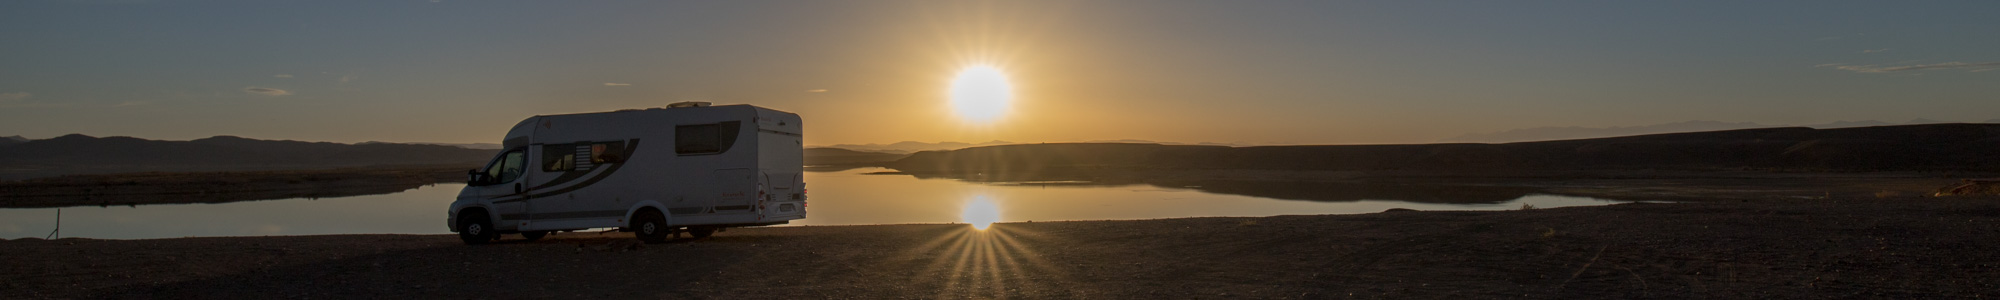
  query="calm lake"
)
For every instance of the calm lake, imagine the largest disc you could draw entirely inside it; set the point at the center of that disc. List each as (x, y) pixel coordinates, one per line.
(848, 197)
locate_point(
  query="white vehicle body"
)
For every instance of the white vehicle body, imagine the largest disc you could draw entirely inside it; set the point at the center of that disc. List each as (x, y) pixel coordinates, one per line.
(700, 166)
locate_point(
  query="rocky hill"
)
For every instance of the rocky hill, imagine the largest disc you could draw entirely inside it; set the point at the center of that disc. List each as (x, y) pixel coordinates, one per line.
(1930, 147)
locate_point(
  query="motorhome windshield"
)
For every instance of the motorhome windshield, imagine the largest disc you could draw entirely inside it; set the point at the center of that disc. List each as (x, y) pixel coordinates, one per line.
(507, 168)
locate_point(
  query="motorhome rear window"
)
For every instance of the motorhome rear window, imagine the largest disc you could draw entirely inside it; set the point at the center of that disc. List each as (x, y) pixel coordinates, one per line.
(705, 138)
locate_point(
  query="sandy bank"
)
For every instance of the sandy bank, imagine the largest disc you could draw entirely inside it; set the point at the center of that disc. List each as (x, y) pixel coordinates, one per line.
(1901, 247)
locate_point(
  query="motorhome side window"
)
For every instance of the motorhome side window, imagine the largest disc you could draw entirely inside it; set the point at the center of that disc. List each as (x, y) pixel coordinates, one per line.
(581, 156)
(698, 139)
(558, 158)
(607, 152)
(705, 138)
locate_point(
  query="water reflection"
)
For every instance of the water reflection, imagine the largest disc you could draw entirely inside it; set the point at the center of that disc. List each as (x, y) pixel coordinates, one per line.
(980, 212)
(419, 211)
(1354, 191)
(1408, 191)
(852, 197)
(847, 197)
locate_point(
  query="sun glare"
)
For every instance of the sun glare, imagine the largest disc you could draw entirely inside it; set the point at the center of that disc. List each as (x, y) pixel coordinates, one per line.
(981, 213)
(981, 93)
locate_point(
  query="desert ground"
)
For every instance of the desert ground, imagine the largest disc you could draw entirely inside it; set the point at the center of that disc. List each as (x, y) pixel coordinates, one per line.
(1841, 247)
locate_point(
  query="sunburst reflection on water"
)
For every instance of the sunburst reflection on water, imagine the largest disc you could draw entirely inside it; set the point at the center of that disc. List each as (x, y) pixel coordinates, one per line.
(980, 212)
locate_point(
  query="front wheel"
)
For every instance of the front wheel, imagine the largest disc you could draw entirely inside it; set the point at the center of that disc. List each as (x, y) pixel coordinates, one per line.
(475, 229)
(651, 227)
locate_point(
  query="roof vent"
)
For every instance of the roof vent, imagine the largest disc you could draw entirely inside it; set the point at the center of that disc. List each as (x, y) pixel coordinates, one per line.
(688, 104)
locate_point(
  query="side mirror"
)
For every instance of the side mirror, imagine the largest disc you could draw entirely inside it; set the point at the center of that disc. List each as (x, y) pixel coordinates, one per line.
(474, 177)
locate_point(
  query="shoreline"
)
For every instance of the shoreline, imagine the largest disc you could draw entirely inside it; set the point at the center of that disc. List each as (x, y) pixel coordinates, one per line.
(1334, 186)
(1840, 247)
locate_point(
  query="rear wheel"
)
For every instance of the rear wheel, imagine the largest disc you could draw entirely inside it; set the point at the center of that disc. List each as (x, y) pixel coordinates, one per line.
(475, 229)
(651, 227)
(533, 235)
(701, 232)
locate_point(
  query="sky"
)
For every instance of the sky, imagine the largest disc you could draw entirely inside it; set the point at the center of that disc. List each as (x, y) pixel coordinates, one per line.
(1261, 72)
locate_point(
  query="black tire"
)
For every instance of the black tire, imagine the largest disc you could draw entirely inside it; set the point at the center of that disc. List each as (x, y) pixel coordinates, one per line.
(701, 232)
(651, 227)
(475, 229)
(534, 235)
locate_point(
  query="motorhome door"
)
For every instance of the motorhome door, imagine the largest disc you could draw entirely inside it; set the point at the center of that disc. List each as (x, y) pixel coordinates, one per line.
(505, 185)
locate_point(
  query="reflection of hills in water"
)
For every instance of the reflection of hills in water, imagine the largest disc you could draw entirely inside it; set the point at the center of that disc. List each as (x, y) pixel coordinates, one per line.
(1352, 192)
(135, 198)
(1285, 190)
(216, 187)
(835, 168)
(81, 154)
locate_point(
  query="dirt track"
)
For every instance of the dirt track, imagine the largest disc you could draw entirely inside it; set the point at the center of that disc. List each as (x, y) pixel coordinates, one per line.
(1903, 248)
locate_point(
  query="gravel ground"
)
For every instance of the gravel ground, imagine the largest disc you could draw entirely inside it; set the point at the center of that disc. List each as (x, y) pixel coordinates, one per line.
(1831, 248)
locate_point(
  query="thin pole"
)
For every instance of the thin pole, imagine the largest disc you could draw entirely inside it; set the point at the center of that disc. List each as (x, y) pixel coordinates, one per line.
(53, 234)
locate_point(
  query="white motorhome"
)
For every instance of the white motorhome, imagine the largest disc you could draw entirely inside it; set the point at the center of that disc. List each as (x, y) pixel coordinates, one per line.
(656, 172)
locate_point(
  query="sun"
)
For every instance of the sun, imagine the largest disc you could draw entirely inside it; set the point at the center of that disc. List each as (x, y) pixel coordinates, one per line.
(981, 94)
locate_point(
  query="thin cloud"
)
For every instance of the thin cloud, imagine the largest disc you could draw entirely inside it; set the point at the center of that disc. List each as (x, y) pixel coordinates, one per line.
(266, 91)
(21, 100)
(346, 78)
(1875, 50)
(616, 84)
(282, 76)
(1976, 67)
(11, 97)
(816, 91)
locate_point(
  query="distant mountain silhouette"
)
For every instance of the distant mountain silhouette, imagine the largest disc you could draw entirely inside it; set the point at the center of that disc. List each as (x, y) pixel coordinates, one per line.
(1867, 123)
(1576, 132)
(837, 156)
(908, 147)
(1133, 141)
(4, 141)
(82, 154)
(1931, 147)
(480, 146)
(905, 147)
